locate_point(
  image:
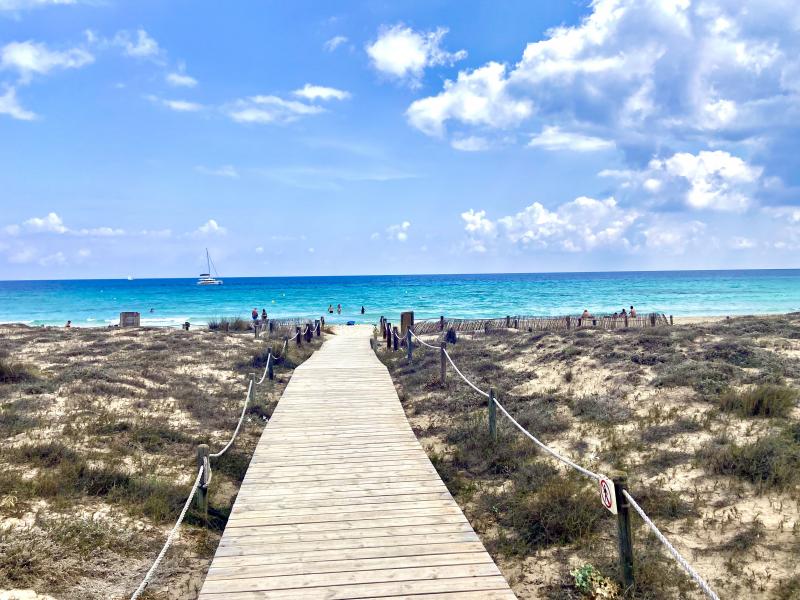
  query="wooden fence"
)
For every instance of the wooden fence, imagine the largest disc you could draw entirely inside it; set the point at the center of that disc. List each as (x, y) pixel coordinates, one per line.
(531, 323)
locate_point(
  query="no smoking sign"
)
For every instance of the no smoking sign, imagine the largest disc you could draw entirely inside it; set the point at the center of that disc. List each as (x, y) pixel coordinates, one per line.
(607, 495)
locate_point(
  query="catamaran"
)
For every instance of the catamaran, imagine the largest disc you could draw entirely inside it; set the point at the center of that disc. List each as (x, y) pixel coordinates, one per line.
(207, 278)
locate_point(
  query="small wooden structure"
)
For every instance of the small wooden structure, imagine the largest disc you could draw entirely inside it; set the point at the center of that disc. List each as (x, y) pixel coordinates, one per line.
(129, 319)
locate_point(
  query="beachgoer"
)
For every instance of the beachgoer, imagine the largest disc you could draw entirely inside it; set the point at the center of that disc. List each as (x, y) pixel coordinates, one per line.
(623, 313)
(330, 308)
(339, 308)
(633, 312)
(362, 310)
(264, 315)
(152, 310)
(254, 314)
(68, 325)
(586, 314)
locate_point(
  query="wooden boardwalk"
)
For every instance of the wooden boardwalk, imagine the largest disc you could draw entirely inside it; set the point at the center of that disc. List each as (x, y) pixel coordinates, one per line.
(340, 500)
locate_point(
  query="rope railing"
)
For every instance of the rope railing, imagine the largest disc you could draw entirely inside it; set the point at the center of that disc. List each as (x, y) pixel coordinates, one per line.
(173, 532)
(493, 402)
(205, 467)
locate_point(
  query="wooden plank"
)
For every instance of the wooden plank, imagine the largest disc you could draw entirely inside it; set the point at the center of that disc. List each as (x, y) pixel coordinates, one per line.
(340, 500)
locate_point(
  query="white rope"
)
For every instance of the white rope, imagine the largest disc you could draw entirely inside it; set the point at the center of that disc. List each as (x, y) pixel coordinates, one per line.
(266, 368)
(238, 425)
(170, 537)
(468, 382)
(545, 447)
(675, 554)
(421, 341)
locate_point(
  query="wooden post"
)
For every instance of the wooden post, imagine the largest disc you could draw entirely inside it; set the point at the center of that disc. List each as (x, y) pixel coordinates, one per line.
(492, 415)
(271, 326)
(508, 321)
(317, 327)
(321, 323)
(394, 337)
(297, 336)
(624, 533)
(309, 332)
(271, 362)
(201, 499)
(653, 319)
(443, 365)
(387, 335)
(579, 321)
(516, 323)
(409, 346)
(594, 322)
(670, 319)
(626, 320)
(568, 321)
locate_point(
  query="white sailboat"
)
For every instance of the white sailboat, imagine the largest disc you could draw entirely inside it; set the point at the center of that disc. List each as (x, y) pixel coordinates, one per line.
(207, 278)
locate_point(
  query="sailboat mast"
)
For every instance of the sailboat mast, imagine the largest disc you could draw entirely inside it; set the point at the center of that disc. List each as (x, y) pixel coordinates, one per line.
(208, 263)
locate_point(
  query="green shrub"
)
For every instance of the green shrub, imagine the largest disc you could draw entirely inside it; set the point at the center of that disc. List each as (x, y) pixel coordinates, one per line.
(15, 372)
(767, 400)
(772, 461)
(706, 378)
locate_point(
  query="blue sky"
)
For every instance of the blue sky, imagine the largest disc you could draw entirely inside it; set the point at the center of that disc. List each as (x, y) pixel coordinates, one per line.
(386, 137)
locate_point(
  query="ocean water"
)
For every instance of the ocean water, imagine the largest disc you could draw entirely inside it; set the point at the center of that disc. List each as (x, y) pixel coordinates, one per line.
(173, 301)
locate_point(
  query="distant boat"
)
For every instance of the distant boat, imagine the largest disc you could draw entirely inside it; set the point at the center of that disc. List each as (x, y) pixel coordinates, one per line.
(206, 278)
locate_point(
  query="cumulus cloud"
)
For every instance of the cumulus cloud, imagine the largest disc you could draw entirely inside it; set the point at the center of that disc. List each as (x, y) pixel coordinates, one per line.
(138, 44)
(176, 105)
(270, 109)
(9, 105)
(319, 92)
(398, 232)
(209, 228)
(554, 138)
(333, 43)
(579, 225)
(709, 180)
(33, 58)
(476, 98)
(640, 73)
(402, 53)
(53, 223)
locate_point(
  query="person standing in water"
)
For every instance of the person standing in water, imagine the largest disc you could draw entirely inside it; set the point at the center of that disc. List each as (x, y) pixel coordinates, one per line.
(339, 308)
(362, 310)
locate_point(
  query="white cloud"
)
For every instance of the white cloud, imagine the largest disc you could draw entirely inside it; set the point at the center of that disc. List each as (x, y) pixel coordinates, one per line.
(743, 243)
(51, 223)
(472, 143)
(554, 138)
(57, 258)
(398, 232)
(790, 214)
(333, 43)
(404, 54)
(32, 58)
(477, 98)
(675, 238)
(140, 45)
(84, 253)
(709, 180)
(9, 105)
(314, 92)
(579, 225)
(223, 171)
(311, 250)
(270, 109)
(22, 256)
(643, 74)
(259, 250)
(180, 79)
(210, 227)
(176, 105)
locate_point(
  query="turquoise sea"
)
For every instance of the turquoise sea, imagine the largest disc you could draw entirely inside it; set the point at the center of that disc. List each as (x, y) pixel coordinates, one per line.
(99, 302)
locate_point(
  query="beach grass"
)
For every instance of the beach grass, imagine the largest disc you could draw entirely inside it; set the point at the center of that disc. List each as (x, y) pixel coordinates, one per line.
(701, 417)
(98, 435)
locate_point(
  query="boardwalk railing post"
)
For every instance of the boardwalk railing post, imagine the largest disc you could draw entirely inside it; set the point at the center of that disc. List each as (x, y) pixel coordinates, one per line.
(492, 415)
(394, 337)
(297, 336)
(270, 363)
(271, 326)
(441, 323)
(388, 336)
(202, 490)
(409, 345)
(670, 319)
(443, 363)
(568, 321)
(317, 327)
(508, 321)
(624, 532)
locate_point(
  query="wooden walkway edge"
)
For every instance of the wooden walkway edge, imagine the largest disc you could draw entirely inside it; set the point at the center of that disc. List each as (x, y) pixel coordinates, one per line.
(341, 502)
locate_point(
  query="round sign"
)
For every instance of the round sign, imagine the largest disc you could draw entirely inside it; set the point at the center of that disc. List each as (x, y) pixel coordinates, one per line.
(607, 496)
